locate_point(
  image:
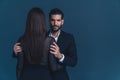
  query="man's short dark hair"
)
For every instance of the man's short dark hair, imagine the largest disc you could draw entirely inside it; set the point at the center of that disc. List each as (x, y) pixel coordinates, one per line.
(56, 11)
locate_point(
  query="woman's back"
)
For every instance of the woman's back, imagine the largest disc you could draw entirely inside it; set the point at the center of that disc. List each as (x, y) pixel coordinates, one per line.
(37, 71)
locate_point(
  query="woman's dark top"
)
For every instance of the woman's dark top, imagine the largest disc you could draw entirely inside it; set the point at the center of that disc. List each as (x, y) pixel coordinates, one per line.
(39, 71)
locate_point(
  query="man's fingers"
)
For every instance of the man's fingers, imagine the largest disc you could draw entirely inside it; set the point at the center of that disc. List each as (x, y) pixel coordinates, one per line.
(52, 52)
(52, 46)
(52, 49)
(17, 44)
(17, 48)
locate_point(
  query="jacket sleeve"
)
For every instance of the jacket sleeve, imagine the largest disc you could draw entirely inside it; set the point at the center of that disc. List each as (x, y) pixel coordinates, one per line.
(19, 67)
(71, 54)
(20, 62)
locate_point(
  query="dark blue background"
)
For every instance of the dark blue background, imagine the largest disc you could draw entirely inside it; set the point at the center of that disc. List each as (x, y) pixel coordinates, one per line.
(94, 23)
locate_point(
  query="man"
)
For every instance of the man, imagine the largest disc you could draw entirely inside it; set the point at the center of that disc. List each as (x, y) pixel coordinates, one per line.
(64, 49)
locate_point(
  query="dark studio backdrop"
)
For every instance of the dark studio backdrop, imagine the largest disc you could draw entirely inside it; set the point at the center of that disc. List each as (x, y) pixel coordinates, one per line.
(95, 25)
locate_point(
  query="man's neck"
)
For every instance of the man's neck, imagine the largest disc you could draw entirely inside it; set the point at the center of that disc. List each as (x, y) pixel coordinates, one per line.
(55, 34)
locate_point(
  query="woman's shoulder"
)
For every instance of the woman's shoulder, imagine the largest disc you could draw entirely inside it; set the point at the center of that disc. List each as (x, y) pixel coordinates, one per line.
(49, 40)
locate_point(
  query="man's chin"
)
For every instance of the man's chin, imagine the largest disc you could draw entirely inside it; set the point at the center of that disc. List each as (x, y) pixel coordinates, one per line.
(55, 30)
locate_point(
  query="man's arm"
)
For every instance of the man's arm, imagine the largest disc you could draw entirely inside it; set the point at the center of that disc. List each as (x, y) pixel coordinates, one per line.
(71, 55)
(70, 58)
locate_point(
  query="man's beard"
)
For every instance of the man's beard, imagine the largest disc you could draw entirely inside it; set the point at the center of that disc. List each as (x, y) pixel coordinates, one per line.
(55, 30)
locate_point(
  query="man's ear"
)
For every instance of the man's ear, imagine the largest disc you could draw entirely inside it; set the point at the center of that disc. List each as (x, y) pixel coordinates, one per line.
(49, 20)
(62, 21)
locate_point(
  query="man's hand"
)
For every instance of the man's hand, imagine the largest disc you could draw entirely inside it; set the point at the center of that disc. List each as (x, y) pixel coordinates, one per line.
(17, 48)
(54, 49)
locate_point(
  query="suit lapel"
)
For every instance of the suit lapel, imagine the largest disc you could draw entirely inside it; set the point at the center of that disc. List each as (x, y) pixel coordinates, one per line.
(60, 38)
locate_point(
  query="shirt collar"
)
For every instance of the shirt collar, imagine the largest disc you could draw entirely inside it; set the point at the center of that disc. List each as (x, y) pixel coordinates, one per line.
(56, 38)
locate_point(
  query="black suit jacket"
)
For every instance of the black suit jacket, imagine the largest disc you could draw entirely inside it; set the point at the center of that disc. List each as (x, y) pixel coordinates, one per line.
(67, 47)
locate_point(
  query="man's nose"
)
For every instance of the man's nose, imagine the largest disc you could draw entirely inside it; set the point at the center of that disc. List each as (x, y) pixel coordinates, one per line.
(55, 23)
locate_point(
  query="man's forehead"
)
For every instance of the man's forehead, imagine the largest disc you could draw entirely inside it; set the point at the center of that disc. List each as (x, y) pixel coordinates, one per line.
(56, 15)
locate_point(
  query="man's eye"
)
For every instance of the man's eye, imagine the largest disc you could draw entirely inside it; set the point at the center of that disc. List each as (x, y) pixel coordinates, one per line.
(58, 20)
(52, 20)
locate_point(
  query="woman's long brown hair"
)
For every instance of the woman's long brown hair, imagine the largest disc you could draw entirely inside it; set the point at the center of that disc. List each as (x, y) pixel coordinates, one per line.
(34, 36)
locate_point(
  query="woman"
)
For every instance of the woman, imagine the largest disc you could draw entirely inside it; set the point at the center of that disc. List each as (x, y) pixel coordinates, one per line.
(33, 60)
